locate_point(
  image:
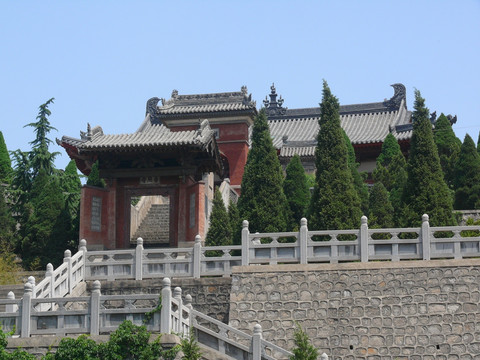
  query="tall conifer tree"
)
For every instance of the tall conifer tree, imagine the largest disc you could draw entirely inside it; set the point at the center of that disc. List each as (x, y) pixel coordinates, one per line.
(5, 162)
(335, 203)
(296, 191)
(263, 202)
(220, 231)
(448, 146)
(391, 172)
(381, 211)
(235, 223)
(467, 177)
(358, 178)
(425, 191)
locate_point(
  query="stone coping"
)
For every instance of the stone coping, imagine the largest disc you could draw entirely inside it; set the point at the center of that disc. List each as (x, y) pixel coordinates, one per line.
(355, 266)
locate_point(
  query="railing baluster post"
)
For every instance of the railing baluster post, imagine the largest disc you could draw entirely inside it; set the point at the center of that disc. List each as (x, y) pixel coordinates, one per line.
(303, 240)
(11, 308)
(139, 259)
(177, 295)
(95, 308)
(67, 257)
(31, 281)
(364, 239)
(425, 237)
(197, 257)
(324, 357)
(257, 342)
(26, 310)
(245, 243)
(82, 246)
(166, 312)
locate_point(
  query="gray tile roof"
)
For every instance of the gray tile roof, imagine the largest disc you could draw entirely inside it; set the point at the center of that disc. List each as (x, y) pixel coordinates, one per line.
(294, 131)
(198, 104)
(153, 136)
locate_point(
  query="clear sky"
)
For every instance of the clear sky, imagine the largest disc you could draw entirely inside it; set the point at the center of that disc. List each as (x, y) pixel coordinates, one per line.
(102, 60)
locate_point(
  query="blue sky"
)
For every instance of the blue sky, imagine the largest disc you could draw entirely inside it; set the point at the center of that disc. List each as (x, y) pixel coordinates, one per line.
(102, 60)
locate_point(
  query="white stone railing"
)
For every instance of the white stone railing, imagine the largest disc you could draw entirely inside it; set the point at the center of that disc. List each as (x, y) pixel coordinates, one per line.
(102, 314)
(228, 193)
(364, 244)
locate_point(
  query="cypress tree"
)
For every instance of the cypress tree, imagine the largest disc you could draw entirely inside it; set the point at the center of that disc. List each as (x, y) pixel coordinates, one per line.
(391, 172)
(263, 202)
(478, 143)
(381, 209)
(220, 232)
(425, 191)
(5, 162)
(467, 177)
(7, 223)
(358, 178)
(94, 177)
(448, 146)
(235, 223)
(71, 186)
(335, 203)
(296, 191)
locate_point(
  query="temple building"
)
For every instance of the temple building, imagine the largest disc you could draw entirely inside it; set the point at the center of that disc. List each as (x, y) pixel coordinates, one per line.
(188, 144)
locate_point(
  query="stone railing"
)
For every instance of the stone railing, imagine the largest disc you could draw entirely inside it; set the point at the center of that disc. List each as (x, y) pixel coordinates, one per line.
(139, 211)
(227, 193)
(303, 247)
(101, 314)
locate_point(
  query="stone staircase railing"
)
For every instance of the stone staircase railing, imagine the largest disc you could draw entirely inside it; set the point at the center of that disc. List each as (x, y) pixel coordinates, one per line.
(302, 247)
(139, 211)
(228, 193)
(97, 313)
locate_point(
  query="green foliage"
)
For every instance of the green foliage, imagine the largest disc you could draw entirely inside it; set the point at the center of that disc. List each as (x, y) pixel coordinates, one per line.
(220, 232)
(335, 203)
(448, 146)
(47, 229)
(381, 209)
(81, 348)
(94, 177)
(190, 347)
(7, 222)
(425, 191)
(18, 354)
(296, 191)
(263, 202)
(71, 187)
(467, 177)
(358, 178)
(303, 349)
(5, 162)
(235, 223)
(130, 342)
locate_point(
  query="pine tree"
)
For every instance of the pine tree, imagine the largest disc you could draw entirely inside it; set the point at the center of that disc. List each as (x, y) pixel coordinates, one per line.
(358, 178)
(448, 146)
(467, 177)
(303, 349)
(40, 156)
(296, 191)
(5, 162)
(381, 209)
(335, 203)
(263, 202)
(425, 191)
(235, 223)
(94, 177)
(220, 232)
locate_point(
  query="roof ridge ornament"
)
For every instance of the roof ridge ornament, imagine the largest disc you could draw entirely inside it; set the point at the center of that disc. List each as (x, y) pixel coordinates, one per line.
(273, 106)
(400, 93)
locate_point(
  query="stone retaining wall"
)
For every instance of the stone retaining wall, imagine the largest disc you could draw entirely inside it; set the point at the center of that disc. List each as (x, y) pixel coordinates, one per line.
(402, 310)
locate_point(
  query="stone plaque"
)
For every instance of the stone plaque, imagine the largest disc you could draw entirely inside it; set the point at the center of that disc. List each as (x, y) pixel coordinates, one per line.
(96, 219)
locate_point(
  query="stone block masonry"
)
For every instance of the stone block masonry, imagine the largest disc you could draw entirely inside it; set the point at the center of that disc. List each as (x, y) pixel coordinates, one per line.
(391, 310)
